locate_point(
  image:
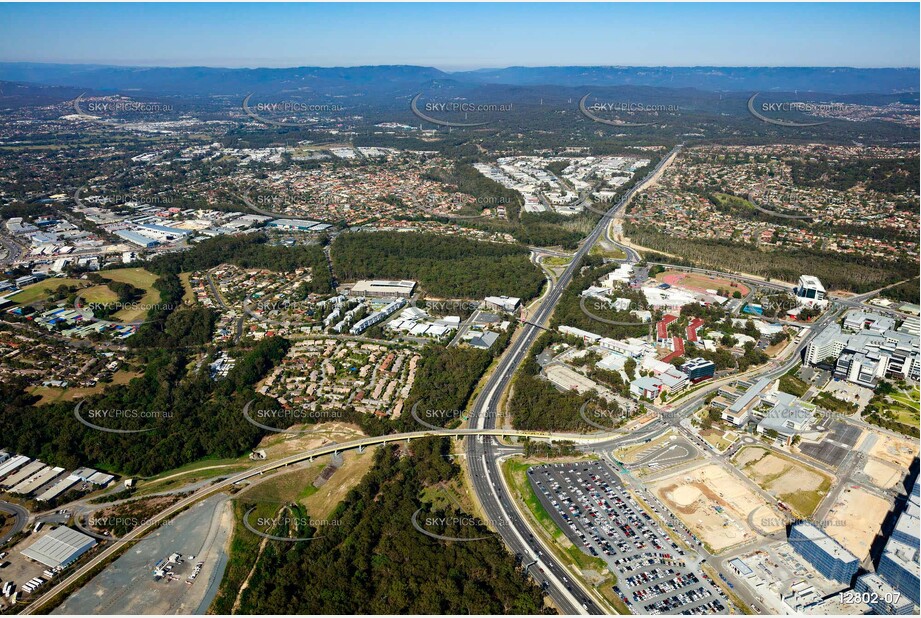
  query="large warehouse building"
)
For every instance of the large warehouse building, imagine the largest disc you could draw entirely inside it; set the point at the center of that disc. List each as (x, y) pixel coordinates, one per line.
(59, 547)
(383, 289)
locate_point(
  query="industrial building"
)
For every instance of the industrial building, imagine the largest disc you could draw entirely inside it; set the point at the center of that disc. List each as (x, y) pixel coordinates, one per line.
(503, 303)
(60, 547)
(300, 225)
(162, 232)
(825, 554)
(383, 289)
(137, 239)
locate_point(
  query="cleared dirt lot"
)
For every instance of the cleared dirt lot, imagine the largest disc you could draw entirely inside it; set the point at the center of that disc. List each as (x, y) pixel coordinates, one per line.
(716, 506)
(799, 486)
(855, 519)
(895, 450)
(883, 474)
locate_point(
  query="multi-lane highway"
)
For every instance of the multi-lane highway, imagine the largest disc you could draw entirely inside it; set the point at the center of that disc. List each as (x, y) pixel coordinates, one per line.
(482, 450)
(486, 473)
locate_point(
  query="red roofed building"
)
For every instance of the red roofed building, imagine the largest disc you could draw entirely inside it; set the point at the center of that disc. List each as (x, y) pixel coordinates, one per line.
(678, 347)
(662, 327)
(693, 327)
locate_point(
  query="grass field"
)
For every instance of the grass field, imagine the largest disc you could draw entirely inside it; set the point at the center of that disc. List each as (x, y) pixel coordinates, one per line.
(613, 253)
(100, 294)
(554, 261)
(718, 439)
(790, 383)
(140, 278)
(188, 295)
(322, 501)
(43, 289)
(905, 406)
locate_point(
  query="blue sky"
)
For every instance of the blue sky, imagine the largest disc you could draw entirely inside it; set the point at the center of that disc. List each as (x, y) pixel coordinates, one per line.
(463, 36)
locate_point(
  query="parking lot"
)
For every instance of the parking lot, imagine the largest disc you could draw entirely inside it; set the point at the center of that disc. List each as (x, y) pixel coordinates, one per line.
(595, 511)
(834, 447)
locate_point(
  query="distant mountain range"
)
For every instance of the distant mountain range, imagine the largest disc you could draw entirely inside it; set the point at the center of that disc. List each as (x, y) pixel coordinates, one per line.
(385, 80)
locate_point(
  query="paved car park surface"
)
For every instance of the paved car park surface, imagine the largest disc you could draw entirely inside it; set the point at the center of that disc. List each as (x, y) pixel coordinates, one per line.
(834, 447)
(593, 508)
(677, 450)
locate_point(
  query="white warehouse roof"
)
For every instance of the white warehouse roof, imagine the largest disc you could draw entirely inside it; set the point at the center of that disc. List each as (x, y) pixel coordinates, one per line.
(59, 547)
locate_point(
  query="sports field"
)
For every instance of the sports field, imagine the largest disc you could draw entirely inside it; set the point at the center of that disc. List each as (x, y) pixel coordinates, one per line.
(700, 283)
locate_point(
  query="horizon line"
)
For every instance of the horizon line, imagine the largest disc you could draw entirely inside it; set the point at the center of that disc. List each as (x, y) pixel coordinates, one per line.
(458, 70)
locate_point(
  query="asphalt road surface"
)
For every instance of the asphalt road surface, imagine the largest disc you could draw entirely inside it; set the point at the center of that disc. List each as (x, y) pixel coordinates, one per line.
(484, 466)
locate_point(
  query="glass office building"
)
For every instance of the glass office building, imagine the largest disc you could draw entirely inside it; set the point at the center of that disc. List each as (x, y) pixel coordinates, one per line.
(824, 553)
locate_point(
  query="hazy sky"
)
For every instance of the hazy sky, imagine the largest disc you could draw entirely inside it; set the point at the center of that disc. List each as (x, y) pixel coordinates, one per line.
(463, 36)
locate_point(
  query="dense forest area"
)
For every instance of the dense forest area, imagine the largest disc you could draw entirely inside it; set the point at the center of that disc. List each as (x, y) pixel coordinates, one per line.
(907, 292)
(375, 562)
(445, 266)
(858, 273)
(188, 416)
(537, 404)
(444, 383)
